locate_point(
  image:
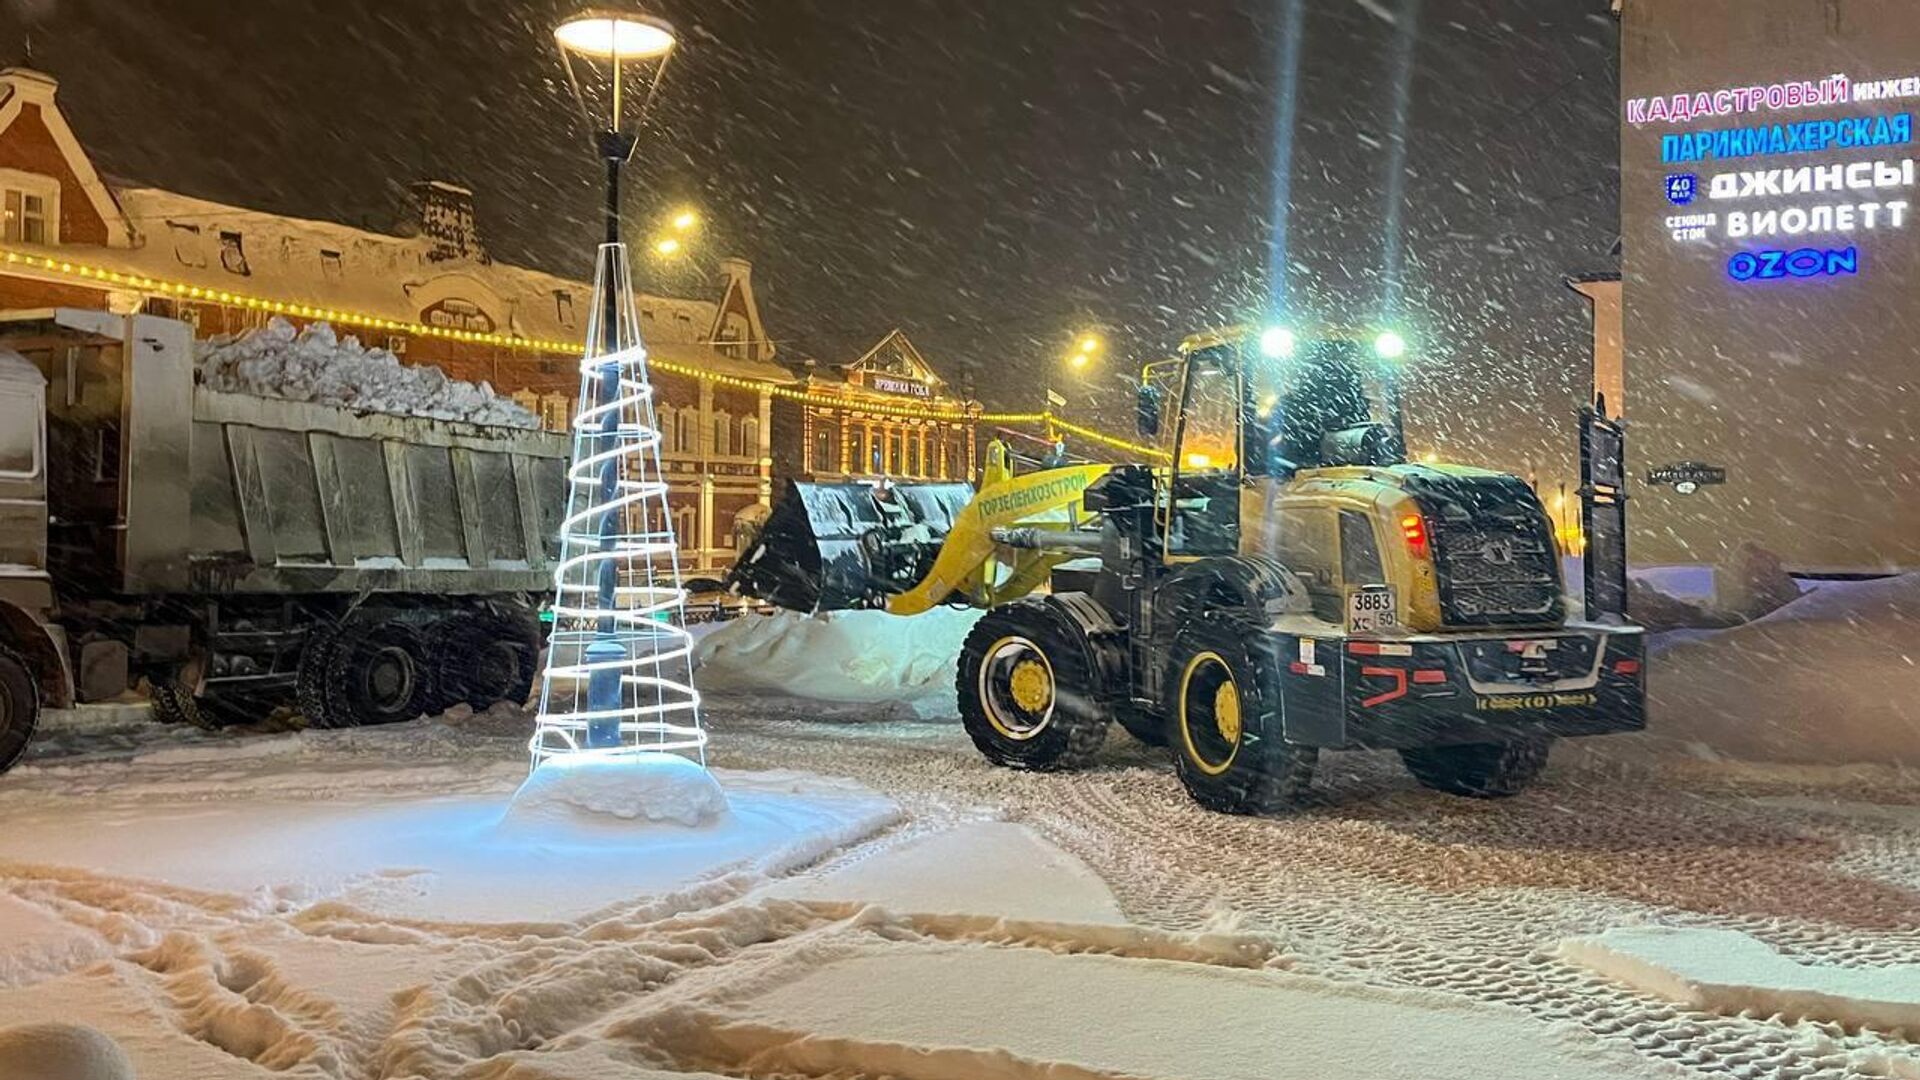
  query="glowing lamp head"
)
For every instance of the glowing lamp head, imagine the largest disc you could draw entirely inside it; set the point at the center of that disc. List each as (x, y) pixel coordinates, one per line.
(1079, 361)
(1089, 345)
(1276, 343)
(1197, 460)
(685, 219)
(618, 36)
(1390, 346)
(669, 246)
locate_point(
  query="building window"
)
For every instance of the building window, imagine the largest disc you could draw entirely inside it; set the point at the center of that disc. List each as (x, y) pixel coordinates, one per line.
(823, 457)
(232, 255)
(563, 307)
(683, 422)
(189, 247)
(750, 438)
(26, 217)
(856, 449)
(722, 435)
(330, 265)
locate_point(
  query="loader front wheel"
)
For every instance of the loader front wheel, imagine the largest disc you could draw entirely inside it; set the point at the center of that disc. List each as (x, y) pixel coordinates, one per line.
(1026, 689)
(1224, 720)
(1479, 770)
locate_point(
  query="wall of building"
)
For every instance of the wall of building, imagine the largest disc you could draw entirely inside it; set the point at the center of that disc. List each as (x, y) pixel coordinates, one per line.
(1801, 388)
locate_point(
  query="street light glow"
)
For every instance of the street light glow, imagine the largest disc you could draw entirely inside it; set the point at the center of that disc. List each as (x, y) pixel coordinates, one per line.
(614, 35)
(1276, 343)
(685, 219)
(1079, 361)
(668, 246)
(1089, 344)
(1390, 346)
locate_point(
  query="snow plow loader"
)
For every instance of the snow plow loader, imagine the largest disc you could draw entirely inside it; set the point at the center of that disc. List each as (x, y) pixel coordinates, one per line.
(1285, 583)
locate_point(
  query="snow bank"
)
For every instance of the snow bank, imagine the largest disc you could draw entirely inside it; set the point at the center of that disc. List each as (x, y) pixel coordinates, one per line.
(843, 656)
(1726, 971)
(591, 788)
(1831, 678)
(1020, 1014)
(314, 364)
(61, 1052)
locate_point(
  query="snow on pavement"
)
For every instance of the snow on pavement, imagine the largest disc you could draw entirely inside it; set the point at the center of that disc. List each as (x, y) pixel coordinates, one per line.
(1004, 924)
(842, 656)
(1726, 971)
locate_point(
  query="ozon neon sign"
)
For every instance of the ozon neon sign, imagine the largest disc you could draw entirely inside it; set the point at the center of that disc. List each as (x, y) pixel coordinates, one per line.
(1799, 263)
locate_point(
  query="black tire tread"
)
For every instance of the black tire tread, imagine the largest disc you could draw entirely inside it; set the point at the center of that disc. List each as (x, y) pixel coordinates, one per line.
(310, 680)
(340, 707)
(1275, 776)
(14, 740)
(1479, 770)
(1076, 732)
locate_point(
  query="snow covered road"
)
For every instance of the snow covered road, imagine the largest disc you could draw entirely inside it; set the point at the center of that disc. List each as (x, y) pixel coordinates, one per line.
(992, 924)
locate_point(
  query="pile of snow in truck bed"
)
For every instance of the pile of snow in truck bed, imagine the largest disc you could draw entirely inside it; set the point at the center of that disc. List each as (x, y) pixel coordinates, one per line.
(315, 364)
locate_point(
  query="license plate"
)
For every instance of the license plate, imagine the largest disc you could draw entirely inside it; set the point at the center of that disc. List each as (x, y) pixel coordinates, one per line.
(1371, 610)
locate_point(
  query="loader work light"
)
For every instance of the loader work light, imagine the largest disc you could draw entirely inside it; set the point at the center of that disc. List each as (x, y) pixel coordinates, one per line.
(1276, 343)
(1390, 346)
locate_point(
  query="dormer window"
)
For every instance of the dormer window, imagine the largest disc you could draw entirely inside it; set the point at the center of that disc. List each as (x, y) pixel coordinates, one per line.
(330, 267)
(232, 255)
(563, 307)
(32, 207)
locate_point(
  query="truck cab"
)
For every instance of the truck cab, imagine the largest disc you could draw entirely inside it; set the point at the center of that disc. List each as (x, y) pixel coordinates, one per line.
(32, 656)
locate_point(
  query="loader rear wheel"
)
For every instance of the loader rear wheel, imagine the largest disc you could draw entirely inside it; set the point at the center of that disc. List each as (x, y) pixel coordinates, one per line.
(377, 674)
(1143, 724)
(1026, 689)
(19, 706)
(1223, 688)
(1479, 770)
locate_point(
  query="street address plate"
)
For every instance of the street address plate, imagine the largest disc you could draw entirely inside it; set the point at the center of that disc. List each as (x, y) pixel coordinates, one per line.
(1371, 609)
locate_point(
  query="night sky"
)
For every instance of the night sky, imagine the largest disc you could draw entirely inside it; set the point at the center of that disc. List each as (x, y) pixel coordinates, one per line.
(991, 175)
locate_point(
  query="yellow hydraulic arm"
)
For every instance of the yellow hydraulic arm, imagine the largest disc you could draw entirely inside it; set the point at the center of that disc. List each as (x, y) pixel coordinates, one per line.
(963, 562)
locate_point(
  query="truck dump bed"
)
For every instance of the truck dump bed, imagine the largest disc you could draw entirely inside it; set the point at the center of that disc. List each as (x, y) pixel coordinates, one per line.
(172, 488)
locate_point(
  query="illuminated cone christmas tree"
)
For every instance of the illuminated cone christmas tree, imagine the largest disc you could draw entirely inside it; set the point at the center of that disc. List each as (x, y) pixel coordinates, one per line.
(619, 661)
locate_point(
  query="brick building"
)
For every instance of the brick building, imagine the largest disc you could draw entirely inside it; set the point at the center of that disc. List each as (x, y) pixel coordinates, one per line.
(888, 413)
(434, 296)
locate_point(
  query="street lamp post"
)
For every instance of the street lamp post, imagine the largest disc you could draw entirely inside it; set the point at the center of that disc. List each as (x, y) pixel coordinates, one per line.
(606, 53)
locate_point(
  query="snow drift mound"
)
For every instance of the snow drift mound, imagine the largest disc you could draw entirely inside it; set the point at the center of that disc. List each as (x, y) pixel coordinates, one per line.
(613, 789)
(61, 1052)
(314, 364)
(1831, 678)
(842, 656)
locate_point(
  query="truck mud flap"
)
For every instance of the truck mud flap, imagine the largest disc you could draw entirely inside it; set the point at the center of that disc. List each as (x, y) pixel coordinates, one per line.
(834, 547)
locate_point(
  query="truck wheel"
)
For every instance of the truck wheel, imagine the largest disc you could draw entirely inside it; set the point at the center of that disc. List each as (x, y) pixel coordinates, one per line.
(173, 703)
(19, 706)
(1479, 770)
(310, 680)
(480, 660)
(1223, 693)
(378, 674)
(1026, 689)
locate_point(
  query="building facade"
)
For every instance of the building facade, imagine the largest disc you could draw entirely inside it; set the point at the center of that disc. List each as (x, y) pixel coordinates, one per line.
(1770, 261)
(434, 296)
(888, 413)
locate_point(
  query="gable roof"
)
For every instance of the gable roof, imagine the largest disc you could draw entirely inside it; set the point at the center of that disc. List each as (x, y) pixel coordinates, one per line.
(21, 87)
(895, 354)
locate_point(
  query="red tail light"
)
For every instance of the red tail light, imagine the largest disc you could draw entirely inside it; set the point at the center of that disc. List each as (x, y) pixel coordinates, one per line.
(1627, 667)
(1414, 528)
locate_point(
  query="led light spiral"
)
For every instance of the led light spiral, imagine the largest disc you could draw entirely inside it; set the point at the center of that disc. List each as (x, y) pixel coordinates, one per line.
(619, 661)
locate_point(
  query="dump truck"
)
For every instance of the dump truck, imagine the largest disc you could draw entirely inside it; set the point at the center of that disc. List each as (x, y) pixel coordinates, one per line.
(1281, 580)
(238, 552)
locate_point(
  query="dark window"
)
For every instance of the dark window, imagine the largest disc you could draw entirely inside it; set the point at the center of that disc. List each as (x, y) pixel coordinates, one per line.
(563, 307)
(1359, 551)
(106, 459)
(232, 255)
(330, 265)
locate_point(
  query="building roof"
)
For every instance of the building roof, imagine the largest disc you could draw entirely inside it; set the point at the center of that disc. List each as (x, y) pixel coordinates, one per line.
(408, 279)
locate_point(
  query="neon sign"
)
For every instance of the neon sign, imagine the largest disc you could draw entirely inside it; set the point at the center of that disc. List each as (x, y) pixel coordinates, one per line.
(1681, 188)
(1808, 137)
(1799, 263)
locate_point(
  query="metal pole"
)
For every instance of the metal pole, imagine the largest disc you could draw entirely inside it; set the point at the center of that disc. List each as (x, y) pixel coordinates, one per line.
(603, 685)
